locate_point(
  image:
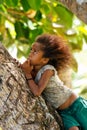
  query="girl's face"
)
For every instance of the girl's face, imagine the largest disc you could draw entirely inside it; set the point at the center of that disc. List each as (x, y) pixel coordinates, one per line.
(36, 55)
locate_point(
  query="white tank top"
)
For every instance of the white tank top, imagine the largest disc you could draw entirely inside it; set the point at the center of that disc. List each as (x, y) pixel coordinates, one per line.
(56, 93)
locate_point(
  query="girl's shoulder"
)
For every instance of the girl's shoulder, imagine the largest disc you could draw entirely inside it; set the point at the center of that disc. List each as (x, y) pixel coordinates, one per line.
(47, 67)
(43, 69)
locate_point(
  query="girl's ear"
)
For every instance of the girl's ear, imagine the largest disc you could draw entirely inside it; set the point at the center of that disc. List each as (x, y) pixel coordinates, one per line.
(45, 61)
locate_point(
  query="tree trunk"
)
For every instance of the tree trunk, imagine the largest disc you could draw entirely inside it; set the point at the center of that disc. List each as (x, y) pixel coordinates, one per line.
(78, 7)
(19, 109)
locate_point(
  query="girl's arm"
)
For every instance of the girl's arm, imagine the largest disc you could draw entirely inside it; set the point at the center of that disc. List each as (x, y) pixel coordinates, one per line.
(37, 89)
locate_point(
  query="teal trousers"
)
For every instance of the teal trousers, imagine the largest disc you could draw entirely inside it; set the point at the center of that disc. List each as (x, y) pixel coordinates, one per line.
(75, 115)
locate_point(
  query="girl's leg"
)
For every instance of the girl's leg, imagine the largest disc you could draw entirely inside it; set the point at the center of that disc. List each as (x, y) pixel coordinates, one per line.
(74, 128)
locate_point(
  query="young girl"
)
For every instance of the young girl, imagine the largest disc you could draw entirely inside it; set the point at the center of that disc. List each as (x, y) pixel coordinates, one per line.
(48, 55)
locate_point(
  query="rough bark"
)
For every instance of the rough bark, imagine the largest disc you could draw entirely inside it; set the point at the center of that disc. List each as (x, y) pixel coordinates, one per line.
(78, 7)
(19, 109)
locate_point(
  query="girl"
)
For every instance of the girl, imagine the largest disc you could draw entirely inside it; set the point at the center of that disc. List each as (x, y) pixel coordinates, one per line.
(48, 55)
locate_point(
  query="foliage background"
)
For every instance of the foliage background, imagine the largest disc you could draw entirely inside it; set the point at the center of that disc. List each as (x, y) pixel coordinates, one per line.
(21, 21)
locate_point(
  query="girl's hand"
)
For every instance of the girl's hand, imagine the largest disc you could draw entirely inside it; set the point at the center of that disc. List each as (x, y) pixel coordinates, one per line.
(26, 67)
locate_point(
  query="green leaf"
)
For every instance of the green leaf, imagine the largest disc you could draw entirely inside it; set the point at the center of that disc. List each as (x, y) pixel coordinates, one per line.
(66, 17)
(34, 33)
(85, 37)
(2, 9)
(1, 37)
(15, 2)
(25, 5)
(11, 3)
(20, 53)
(74, 64)
(38, 16)
(22, 32)
(34, 4)
(45, 8)
(1, 2)
(19, 30)
(76, 42)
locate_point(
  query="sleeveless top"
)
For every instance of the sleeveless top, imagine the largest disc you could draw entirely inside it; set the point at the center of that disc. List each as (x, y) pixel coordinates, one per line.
(56, 93)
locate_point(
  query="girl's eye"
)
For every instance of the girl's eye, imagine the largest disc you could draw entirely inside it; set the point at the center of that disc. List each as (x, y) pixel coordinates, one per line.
(31, 50)
(35, 52)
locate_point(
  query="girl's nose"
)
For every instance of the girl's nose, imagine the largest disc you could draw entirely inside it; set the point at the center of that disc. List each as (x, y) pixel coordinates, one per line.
(31, 52)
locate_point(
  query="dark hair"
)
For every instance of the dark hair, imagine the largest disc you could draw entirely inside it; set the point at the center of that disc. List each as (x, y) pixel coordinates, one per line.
(56, 49)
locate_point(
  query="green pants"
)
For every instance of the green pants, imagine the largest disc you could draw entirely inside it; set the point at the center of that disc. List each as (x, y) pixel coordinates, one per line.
(75, 115)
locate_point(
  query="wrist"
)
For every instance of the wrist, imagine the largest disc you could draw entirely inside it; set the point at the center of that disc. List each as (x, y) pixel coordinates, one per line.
(29, 78)
(28, 75)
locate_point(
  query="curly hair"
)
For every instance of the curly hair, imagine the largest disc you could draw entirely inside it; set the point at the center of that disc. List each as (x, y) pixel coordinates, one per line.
(56, 49)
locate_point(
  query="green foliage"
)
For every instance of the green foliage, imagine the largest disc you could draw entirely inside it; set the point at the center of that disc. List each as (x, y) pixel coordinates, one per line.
(11, 3)
(35, 4)
(25, 5)
(1, 1)
(65, 16)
